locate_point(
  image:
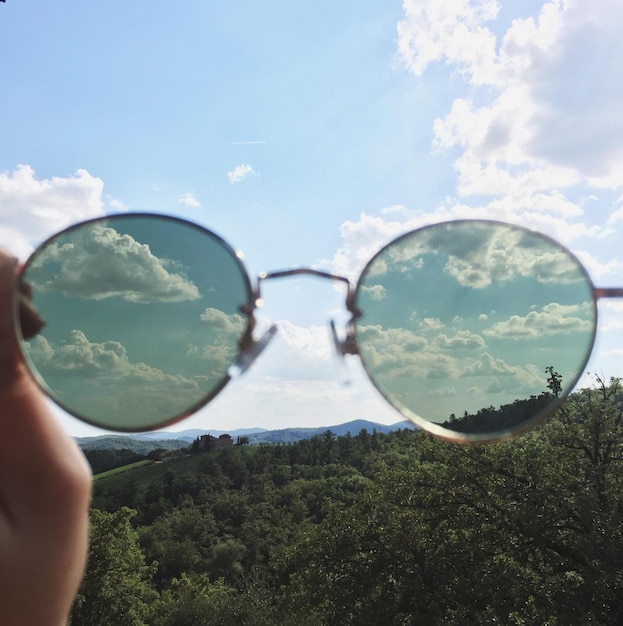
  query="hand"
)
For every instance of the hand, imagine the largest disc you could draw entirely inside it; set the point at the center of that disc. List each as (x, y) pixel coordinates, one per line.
(45, 486)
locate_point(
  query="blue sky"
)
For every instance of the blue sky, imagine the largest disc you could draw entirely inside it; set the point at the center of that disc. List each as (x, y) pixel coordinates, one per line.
(311, 134)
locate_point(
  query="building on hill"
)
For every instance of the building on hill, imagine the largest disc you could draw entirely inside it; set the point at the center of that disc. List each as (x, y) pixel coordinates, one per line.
(208, 443)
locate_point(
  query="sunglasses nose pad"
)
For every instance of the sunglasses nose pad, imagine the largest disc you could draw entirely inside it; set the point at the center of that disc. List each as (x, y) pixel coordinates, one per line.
(247, 357)
(342, 347)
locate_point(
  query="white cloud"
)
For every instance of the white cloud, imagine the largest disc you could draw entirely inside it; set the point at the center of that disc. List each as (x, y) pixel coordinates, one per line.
(463, 340)
(476, 258)
(611, 316)
(600, 270)
(98, 262)
(617, 216)
(430, 323)
(80, 357)
(375, 292)
(300, 353)
(552, 117)
(488, 365)
(32, 208)
(222, 322)
(397, 352)
(452, 30)
(188, 199)
(483, 256)
(99, 380)
(115, 204)
(239, 173)
(361, 240)
(409, 365)
(552, 319)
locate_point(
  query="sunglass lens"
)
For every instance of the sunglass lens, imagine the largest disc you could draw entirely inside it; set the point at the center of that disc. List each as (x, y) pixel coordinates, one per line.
(473, 329)
(143, 315)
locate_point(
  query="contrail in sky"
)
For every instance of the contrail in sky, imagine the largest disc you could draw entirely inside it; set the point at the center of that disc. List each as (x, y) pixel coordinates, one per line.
(245, 143)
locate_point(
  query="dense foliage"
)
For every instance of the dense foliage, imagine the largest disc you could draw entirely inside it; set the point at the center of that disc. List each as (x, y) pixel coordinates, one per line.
(107, 459)
(395, 528)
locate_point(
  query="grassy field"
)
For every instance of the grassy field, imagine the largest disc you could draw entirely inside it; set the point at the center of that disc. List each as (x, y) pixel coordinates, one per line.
(145, 472)
(123, 468)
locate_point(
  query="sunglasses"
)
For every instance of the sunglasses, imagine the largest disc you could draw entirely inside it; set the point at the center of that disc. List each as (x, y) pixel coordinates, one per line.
(474, 330)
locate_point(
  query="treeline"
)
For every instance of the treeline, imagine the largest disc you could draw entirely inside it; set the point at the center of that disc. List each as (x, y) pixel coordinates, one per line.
(105, 459)
(395, 528)
(106, 453)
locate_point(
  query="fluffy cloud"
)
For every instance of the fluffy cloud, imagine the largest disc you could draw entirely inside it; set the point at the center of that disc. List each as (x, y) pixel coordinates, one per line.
(222, 322)
(552, 319)
(554, 120)
(500, 376)
(453, 30)
(374, 292)
(430, 323)
(361, 240)
(32, 208)
(100, 381)
(239, 173)
(98, 262)
(299, 353)
(480, 257)
(488, 365)
(78, 356)
(617, 215)
(463, 340)
(397, 352)
(477, 255)
(408, 364)
(188, 199)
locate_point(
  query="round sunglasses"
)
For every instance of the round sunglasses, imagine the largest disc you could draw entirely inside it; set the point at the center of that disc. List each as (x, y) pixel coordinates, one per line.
(474, 330)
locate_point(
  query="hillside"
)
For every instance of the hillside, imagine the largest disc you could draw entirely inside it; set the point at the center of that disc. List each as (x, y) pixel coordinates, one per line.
(134, 443)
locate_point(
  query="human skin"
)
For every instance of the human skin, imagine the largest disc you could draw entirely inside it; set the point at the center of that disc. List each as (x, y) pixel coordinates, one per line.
(45, 487)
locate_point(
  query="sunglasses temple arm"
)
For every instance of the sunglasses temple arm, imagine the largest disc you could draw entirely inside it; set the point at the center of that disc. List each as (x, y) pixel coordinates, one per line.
(247, 356)
(608, 292)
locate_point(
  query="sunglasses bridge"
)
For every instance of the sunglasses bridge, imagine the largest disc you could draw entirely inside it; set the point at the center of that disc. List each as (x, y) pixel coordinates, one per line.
(251, 347)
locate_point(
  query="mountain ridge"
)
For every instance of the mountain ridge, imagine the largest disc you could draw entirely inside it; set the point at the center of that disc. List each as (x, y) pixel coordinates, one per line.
(178, 439)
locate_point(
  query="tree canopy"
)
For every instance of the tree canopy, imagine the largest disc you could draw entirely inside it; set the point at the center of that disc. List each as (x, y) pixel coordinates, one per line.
(397, 528)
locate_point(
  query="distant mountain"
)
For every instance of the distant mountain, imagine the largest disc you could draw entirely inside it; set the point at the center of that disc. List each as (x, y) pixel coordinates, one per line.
(143, 443)
(290, 435)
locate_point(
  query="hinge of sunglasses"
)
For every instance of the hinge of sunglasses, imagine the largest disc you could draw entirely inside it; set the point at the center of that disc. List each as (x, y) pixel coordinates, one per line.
(249, 351)
(348, 345)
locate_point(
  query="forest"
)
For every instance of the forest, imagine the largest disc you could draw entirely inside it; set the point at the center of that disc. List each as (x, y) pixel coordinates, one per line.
(393, 529)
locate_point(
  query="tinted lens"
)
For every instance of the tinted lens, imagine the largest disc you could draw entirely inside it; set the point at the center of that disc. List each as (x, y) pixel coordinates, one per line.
(143, 317)
(474, 330)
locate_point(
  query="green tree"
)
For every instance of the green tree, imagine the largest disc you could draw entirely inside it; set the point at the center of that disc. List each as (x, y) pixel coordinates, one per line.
(180, 541)
(197, 601)
(554, 380)
(117, 585)
(528, 531)
(225, 561)
(194, 601)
